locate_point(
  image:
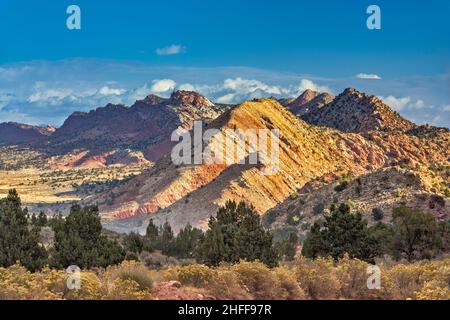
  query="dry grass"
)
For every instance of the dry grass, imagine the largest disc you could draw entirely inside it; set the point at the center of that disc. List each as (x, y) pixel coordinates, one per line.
(306, 279)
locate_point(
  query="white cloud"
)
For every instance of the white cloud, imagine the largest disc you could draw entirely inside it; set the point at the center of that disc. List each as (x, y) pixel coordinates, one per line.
(49, 94)
(308, 84)
(245, 86)
(405, 103)
(368, 76)
(170, 50)
(162, 86)
(228, 98)
(187, 87)
(107, 91)
(235, 90)
(397, 103)
(446, 108)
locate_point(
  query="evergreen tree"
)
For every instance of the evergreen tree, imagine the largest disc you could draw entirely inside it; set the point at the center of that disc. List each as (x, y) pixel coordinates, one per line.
(342, 232)
(42, 219)
(133, 242)
(287, 248)
(167, 239)
(236, 233)
(78, 241)
(151, 239)
(416, 234)
(18, 241)
(186, 242)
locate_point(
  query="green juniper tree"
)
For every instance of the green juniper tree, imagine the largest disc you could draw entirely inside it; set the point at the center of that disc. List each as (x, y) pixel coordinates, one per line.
(342, 232)
(19, 242)
(236, 233)
(416, 234)
(79, 241)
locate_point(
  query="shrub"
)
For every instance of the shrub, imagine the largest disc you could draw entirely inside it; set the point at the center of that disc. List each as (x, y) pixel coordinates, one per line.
(128, 289)
(293, 219)
(289, 287)
(341, 187)
(317, 278)
(318, 208)
(377, 214)
(130, 270)
(352, 276)
(197, 275)
(260, 282)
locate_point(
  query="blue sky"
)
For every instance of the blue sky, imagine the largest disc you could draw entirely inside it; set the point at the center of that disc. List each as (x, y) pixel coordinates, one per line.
(228, 50)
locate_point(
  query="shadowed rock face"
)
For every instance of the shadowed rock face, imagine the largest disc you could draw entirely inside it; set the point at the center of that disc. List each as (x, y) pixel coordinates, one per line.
(146, 126)
(312, 105)
(17, 133)
(305, 97)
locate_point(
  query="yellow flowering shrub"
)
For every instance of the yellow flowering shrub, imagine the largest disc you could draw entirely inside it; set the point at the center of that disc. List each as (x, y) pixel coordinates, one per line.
(352, 276)
(305, 279)
(16, 283)
(317, 278)
(91, 288)
(197, 275)
(128, 290)
(289, 287)
(258, 279)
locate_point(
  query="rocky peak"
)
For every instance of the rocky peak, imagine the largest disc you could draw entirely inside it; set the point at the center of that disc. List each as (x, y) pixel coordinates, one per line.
(17, 133)
(182, 97)
(305, 97)
(309, 101)
(153, 99)
(353, 111)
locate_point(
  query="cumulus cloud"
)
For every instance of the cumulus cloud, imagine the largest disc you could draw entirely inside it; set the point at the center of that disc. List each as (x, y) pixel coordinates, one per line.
(397, 103)
(368, 76)
(162, 86)
(308, 84)
(108, 91)
(245, 86)
(170, 50)
(404, 103)
(49, 95)
(239, 89)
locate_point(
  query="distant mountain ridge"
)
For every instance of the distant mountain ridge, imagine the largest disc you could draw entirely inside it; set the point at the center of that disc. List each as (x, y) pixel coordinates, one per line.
(16, 133)
(97, 137)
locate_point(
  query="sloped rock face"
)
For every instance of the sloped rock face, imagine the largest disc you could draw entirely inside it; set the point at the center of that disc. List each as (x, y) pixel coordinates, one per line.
(305, 97)
(383, 189)
(313, 105)
(16, 133)
(191, 193)
(353, 111)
